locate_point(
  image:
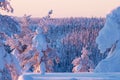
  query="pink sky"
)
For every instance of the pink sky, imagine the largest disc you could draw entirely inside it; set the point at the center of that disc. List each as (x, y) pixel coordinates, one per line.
(64, 8)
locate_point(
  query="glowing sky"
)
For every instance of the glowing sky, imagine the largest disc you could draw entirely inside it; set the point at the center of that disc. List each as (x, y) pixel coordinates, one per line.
(64, 8)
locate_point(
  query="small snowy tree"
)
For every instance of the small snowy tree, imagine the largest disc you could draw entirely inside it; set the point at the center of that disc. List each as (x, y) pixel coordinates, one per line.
(45, 54)
(83, 63)
(39, 44)
(49, 14)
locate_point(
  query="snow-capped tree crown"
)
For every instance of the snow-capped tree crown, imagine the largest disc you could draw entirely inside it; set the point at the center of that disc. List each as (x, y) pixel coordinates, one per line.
(110, 33)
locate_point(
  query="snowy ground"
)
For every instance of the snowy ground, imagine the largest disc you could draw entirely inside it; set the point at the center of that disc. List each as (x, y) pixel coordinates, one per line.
(71, 76)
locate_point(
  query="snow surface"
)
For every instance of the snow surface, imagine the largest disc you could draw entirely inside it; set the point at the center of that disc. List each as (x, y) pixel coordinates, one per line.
(70, 76)
(109, 36)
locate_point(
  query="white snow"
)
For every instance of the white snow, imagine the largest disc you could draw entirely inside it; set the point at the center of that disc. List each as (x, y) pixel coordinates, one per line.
(70, 76)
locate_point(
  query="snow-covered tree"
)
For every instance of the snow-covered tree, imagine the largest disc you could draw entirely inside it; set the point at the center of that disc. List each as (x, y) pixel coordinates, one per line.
(45, 54)
(21, 43)
(83, 63)
(5, 5)
(109, 37)
(31, 48)
(39, 45)
(9, 65)
(48, 15)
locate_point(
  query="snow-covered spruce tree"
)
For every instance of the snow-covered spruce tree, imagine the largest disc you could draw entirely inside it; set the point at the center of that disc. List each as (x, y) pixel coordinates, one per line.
(9, 66)
(83, 63)
(22, 46)
(27, 51)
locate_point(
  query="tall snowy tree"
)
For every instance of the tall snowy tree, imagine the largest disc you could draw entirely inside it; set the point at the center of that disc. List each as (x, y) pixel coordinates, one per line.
(9, 65)
(31, 48)
(109, 37)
